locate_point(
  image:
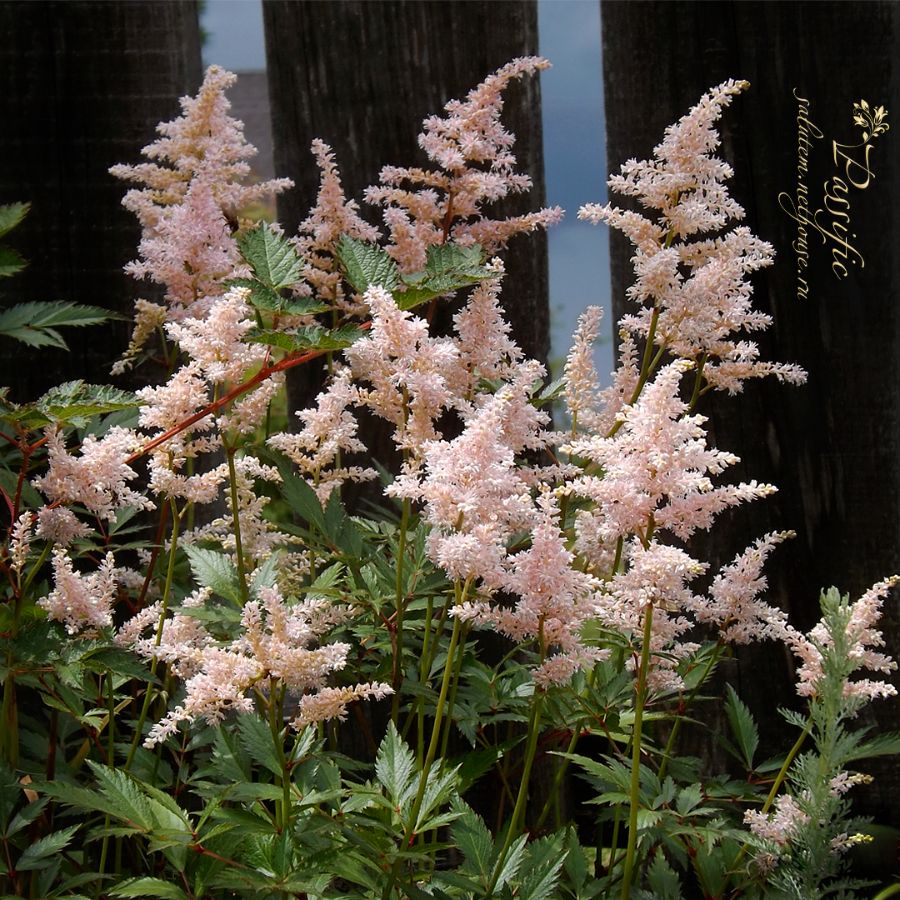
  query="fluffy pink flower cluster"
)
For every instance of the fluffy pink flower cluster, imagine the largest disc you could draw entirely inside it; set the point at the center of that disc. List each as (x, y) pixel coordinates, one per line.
(780, 826)
(694, 295)
(193, 186)
(83, 603)
(475, 165)
(861, 637)
(318, 235)
(97, 478)
(278, 643)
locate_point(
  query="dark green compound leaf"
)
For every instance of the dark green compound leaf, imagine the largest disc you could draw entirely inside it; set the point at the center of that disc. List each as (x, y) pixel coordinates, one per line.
(541, 871)
(449, 267)
(743, 727)
(148, 887)
(216, 571)
(365, 265)
(272, 257)
(11, 215)
(73, 403)
(395, 766)
(43, 852)
(11, 262)
(310, 337)
(35, 324)
(267, 299)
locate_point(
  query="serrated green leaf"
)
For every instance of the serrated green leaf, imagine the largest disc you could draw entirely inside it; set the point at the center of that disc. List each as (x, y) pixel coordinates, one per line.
(273, 258)
(511, 865)
(266, 299)
(148, 887)
(122, 791)
(448, 268)
(887, 744)
(474, 841)
(365, 265)
(301, 497)
(11, 262)
(688, 799)
(542, 868)
(35, 323)
(42, 852)
(663, 880)
(216, 571)
(74, 402)
(310, 337)
(11, 215)
(395, 766)
(743, 726)
(256, 739)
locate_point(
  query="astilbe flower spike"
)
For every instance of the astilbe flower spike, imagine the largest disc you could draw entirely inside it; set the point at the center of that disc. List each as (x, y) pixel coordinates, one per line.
(694, 296)
(475, 166)
(192, 189)
(277, 641)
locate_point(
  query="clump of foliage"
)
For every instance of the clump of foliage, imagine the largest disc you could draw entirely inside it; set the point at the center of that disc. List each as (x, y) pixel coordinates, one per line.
(245, 704)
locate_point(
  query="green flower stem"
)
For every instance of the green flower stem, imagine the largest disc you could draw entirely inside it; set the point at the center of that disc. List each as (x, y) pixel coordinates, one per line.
(236, 520)
(400, 601)
(698, 381)
(451, 704)
(428, 663)
(782, 772)
(640, 699)
(111, 761)
(35, 569)
(409, 832)
(167, 593)
(515, 822)
(423, 677)
(276, 723)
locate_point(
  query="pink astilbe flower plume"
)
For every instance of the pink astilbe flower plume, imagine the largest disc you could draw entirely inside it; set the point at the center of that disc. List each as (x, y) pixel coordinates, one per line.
(329, 429)
(475, 498)
(849, 629)
(734, 605)
(694, 295)
(475, 166)
(318, 235)
(278, 641)
(409, 373)
(98, 478)
(554, 599)
(83, 603)
(193, 188)
(656, 468)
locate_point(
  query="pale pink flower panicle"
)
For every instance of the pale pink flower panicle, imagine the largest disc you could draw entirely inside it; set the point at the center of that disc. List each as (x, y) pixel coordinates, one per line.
(329, 430)
(409, 373)
(862, 638)
(317, 237)
(83, 603)
(696, 292)
(97, 478)
(277, 641)
(192, 190)
(734, 605)
(781, 826)
(475, 166)
(656, 468)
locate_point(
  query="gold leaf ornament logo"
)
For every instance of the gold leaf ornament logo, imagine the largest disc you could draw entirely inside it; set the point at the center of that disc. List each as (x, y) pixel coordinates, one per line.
(872, 122)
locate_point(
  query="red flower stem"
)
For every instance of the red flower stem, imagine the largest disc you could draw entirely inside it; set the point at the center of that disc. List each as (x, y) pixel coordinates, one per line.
(234, 393)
